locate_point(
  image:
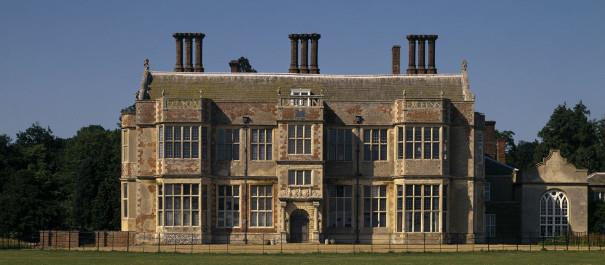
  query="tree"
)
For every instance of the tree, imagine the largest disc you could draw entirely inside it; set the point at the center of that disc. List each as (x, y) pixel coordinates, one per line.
(92, 162)
(33, 195)
(570, 131)
(245, 66)
(596, 219)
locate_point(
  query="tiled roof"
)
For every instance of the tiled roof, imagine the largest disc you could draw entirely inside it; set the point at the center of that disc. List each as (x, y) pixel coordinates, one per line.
(263, 87)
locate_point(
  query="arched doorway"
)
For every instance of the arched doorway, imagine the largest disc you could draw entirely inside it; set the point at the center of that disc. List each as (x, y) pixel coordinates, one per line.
(299, 226)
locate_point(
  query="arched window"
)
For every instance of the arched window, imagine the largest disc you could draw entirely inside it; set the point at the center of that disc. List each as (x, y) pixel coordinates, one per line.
(553, 214)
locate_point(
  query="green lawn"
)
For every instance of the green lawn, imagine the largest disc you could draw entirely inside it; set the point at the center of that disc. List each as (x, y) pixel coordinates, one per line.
(90, 258)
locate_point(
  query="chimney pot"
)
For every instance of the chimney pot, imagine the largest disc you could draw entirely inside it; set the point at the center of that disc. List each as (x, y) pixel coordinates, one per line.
(304, 66)
(234, 65)
(293, 53)
(411, 54)
(396, 57)
(188, 52)
(199, 66)
(431, 69)
(421, 69)
(314, 50)
(178, 67)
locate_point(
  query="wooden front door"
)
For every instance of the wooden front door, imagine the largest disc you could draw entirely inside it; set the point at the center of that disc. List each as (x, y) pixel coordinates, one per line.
(299, 226)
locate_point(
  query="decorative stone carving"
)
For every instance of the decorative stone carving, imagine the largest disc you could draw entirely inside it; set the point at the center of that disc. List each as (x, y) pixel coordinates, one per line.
(143, 92)
(300, 193)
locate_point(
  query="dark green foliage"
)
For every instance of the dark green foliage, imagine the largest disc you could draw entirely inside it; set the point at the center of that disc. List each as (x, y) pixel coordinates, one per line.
(33, 193)
(245, 66)
(571, 131)
(52, 183)
(596, 218)
(92, 162)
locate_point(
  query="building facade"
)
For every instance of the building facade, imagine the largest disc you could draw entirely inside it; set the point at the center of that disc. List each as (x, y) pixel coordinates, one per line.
(303, 156)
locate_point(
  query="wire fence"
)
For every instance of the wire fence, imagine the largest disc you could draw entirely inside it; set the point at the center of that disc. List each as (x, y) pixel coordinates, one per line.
(272, 243)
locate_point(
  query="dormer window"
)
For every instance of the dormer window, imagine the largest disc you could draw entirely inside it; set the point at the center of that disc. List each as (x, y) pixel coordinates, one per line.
(300, 97)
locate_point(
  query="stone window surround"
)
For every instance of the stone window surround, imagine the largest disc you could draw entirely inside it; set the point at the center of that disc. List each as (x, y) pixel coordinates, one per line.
(348, 146)
(307, 174)
(374, 144)
(381, 211)
(230, 212)
(233, 149)
(306, 140)
(124, 199)
(160, 210)
(490, 225)
(340, 203)
(269, 143)
(563, 215)
(125, 143)
(401, 141)
(267, 212)
(443, 183)
(201, 133)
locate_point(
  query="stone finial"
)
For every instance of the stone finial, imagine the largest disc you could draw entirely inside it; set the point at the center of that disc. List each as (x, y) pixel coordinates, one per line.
(464, 65)
(143, 92)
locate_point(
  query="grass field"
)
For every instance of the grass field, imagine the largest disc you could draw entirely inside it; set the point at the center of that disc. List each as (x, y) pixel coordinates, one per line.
(17, 257)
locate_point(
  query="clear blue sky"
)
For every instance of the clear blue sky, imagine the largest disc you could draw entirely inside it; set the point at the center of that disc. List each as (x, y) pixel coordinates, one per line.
(67, 64)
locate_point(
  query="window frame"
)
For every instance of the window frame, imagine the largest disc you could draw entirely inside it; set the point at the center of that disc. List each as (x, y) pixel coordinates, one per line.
(194, 216)
(266, 145)
(124, 199)
(338, 150)
(549, 220)
(435, 222)
(339, 201)
(222, 143)
(369, 145)
(307, 175)
(194, 142)
(267, 198)
(306, 140)
(234, 214)
(407, 145)
(125, 144)
(490, 225)
(368, 222)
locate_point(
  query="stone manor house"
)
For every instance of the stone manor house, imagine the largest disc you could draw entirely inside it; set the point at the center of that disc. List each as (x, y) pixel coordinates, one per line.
(303, 156)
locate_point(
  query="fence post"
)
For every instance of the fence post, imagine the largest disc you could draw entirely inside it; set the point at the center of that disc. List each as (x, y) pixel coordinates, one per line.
(143, 245)
(487, 239)
(281, 243)
(390, 238)
(191, 242)
(457, 240)
(588, 239)
(440, 241)
(127, 241)
(423, 242)
(68, 240)
(159, 235)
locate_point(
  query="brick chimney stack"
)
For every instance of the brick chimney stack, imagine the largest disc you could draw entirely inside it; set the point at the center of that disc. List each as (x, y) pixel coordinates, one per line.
(314, 50)
(501, 150)
(234, 65)
(431, 39)
(304, 53)
(293, 53)
(304, 67)
(396, 57)
(188, 39)
(489, 139)
(421, 67)
(411, 54)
